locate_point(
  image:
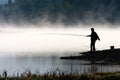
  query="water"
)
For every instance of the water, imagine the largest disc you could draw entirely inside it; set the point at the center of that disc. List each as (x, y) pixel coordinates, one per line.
(42, 65)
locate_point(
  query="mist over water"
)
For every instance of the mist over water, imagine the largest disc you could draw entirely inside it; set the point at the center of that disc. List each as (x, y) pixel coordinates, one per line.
(36, 40)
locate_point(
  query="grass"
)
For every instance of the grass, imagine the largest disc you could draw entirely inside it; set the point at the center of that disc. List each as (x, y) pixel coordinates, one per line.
(62, 76)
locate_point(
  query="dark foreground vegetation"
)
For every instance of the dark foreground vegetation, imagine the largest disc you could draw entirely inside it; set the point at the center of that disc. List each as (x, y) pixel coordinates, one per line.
(62, 76)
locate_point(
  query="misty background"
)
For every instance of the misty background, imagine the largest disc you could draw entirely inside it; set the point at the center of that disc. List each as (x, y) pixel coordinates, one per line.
(23, 23)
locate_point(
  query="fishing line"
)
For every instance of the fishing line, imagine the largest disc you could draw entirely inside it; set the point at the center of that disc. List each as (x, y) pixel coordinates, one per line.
(63, 34)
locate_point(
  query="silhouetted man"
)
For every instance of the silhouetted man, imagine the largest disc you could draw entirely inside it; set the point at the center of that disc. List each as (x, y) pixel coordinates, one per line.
(94, 37)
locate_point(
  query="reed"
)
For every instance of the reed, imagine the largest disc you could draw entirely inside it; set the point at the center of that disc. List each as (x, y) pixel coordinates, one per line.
(62, 76)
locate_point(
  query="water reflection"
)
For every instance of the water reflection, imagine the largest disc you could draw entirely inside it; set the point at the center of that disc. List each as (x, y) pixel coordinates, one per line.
(15, 65)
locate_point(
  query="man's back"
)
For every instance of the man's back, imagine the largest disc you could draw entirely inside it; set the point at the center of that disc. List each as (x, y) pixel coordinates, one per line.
(94, 36)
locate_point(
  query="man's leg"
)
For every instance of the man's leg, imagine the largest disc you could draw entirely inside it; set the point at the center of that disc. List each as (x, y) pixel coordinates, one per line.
(91, 46)
(94, 46)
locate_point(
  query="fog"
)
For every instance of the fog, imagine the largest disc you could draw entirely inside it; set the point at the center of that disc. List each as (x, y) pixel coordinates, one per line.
(36, 40)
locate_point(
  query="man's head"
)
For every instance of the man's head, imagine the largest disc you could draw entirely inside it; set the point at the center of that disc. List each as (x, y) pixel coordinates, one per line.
(92, 29)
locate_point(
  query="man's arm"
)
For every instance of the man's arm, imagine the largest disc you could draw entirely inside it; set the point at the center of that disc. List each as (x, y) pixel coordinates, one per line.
(98, 38)
(88, 35)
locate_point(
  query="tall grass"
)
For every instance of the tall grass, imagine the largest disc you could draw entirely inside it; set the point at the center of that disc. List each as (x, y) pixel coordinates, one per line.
(62, 76)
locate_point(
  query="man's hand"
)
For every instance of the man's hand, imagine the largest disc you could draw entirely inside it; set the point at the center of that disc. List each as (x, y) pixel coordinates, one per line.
(88, 35)
(99, 39)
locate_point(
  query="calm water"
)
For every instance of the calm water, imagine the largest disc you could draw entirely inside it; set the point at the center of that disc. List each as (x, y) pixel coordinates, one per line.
(41, 65)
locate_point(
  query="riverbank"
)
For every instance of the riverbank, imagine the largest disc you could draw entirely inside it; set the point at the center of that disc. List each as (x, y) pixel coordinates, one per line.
(62, 76)
(107, 55)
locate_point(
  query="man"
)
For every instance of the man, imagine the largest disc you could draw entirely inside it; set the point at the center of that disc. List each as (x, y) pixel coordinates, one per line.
(94, 37)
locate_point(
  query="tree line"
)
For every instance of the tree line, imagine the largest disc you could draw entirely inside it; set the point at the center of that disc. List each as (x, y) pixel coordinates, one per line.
(66, 11)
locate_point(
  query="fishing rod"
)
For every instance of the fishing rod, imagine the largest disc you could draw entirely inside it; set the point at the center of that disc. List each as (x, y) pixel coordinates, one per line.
(63, 34)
